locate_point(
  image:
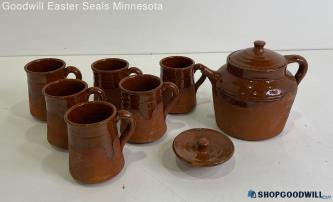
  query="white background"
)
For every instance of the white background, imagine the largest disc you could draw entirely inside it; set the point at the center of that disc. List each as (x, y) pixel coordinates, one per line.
(182, 27)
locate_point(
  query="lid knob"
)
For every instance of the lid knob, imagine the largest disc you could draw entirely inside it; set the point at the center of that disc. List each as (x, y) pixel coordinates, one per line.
(203, 143)
(259, 46)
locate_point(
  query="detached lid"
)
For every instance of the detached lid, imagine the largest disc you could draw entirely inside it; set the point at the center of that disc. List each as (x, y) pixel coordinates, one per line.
(257, 58)
(203, 147)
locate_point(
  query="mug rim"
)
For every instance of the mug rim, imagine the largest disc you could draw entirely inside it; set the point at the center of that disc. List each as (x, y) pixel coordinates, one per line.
(64, 96)
(109, 59)
(140, 92)
(47, 72)
(114, 113)
(176, 56)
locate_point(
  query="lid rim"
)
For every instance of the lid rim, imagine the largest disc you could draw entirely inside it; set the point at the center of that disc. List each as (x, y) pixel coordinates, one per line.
(257, 58)
(193, 135)
(250, 68)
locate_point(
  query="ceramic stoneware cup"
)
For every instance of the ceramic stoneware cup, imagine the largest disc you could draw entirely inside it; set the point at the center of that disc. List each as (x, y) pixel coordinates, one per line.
(95, 149)
(107, 75)
(60, 95)
(39, 73)
(180, 70)
(144, 96)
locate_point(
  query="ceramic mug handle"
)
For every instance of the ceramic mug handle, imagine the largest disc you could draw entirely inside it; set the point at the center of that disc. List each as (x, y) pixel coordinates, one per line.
(124, 115)
(134, 70)
(99, 93)
(169, 86)
(74, 70)
(201, 79)
(302, 63)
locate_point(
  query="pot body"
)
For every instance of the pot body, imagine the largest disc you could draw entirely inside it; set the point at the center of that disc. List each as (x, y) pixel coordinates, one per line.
(254, 92)
(252, 109)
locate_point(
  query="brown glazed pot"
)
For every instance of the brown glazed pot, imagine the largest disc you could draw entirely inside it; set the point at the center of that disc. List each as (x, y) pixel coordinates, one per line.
(254, 92)
(39, 73)
(60, 95)
(180, 71)
(95, 149)
(107, 75)
(144, 96)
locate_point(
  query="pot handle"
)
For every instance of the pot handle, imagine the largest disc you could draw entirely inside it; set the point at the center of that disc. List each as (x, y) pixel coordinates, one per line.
(134, 70)
(127, 117)
(201, 79)
(207, 72)
(74, 70)
(97, 92)
(302, 63)
(169, 86)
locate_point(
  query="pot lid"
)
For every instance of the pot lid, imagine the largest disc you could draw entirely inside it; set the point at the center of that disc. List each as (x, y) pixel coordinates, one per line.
(203, 147)
(257, 58)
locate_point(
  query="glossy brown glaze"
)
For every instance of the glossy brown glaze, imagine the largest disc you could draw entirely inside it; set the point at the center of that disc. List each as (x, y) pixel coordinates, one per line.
(143, 96)
(107, 75)
(254, 92)
(60, 95)
(39, 73)
(95, 148)
(203, 147)
(180, 71)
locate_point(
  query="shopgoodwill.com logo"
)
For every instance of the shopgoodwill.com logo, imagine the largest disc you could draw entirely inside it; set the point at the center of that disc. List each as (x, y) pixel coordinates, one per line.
(287, 194)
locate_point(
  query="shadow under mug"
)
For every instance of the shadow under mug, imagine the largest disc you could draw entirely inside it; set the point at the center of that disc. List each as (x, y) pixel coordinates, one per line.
(180, 70)
(95, 149)
(107, 74)
(60, 95)
(143, 96)
(41, 72)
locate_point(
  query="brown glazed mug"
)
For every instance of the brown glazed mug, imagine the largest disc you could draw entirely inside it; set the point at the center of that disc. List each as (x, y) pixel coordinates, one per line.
(60, 95)
(143, 96)
(95, 149)
(180, 71)
(39, 73)
(107, 75)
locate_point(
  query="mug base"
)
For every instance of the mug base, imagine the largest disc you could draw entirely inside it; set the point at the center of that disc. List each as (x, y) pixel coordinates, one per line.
(99, 179)
(146, 141)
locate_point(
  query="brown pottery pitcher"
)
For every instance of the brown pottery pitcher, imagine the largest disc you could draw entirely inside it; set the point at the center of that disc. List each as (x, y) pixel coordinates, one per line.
(180, 71)
(60, 95)
(144, 96)
(41, 72)
(95, 148)
(107, 74)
